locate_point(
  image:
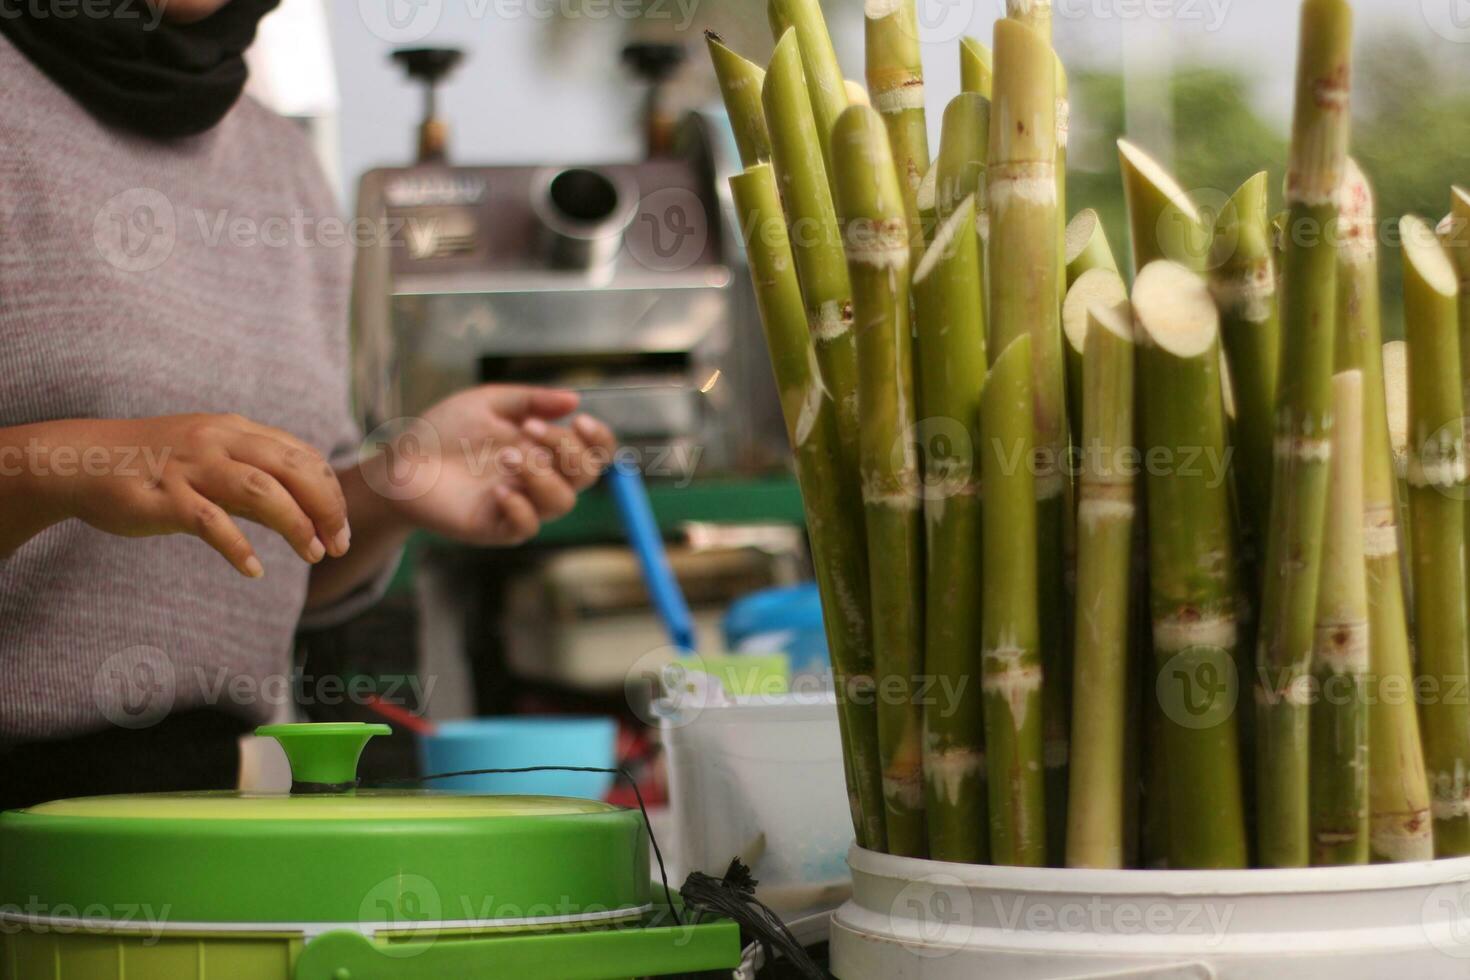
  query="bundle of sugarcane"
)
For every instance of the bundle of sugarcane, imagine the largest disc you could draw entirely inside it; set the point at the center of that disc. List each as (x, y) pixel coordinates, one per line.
(944, 343)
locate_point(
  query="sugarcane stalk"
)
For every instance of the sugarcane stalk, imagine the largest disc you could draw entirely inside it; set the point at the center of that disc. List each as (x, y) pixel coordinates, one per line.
(1243, 280)
(1035, 14)
(857, 93)
(821, 265)
(1398, 789)
(1087, 246)
(1455, 236)
(1303, 444)
(1025, 282)
(833, 502)
(870, 205)
(1098, 287)
(1106, 512)
(1340, 656)
(960, 168)
(826, 87)
(977, 67)
(740, 84)
(895, 73)
(952, 368)
(1191, 566)
(1396, 398)
(928, 203)
(1064, 124)
(1436, 470)
(1163, 221)
(1011, 665)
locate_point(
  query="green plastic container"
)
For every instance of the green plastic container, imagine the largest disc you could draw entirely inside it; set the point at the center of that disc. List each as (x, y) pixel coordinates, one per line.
(335, 883)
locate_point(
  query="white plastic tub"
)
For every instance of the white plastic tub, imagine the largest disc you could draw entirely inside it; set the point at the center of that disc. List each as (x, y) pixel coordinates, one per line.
(761, 779)
(925, 919)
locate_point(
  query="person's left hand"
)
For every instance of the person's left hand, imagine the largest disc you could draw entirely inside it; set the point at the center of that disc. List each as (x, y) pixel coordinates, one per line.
(489, 465)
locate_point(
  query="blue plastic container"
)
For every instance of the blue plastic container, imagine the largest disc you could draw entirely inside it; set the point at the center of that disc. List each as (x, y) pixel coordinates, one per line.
(518, 742)
(783, 620)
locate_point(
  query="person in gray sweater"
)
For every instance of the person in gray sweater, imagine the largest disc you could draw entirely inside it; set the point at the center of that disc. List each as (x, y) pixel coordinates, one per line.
(181, 479)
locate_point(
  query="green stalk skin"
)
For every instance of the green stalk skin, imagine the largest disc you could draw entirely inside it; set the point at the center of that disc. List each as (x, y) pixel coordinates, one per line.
(1087, 246)
(1303, 446)
(895, 74)
(821, 265)
(1064, 123)
(1011, 664)
(1456, 239)
(1025, 277)
(1191, 566)
(928, 203)
(1436, 472)
(1398, 789)
(952, 367)
(1035, 14)
(1098, 287)
(870, 205)
(1279, 225)
(977, 67)
(1243, 280)
(1339, 713)
(1106, 512)
(833, 502)
(740, 84)
(778, 20)
(1163, 221)
(1396, 402)
(964, 156)
(825, 85)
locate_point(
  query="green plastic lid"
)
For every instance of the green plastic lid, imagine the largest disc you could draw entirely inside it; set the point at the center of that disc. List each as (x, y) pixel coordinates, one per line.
(380, 858)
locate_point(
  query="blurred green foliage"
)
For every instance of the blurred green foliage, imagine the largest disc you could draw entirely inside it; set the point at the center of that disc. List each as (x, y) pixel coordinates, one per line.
(1412, 137)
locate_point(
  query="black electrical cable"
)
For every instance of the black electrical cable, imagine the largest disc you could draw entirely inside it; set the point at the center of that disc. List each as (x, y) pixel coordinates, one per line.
(734, 898)
(658, 855)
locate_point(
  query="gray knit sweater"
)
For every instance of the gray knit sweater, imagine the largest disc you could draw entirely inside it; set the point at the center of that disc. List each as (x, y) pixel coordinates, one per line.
(141, 279)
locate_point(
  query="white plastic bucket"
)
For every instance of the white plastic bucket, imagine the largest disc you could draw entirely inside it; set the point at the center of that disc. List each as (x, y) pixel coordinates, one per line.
(927, 920)
(761, 779)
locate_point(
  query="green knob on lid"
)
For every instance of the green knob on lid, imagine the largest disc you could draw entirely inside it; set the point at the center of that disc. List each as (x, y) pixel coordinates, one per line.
(323, 757)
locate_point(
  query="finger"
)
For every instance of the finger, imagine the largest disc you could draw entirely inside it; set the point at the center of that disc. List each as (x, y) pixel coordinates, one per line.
(517, 402)
(516, 520)
(599, 438)
(567, 449)
(206, 520)
(246, 491)
(545, 487)
(308, 479)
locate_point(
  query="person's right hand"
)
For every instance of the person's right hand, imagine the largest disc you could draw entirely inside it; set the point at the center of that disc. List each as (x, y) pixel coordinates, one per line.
(191, 474)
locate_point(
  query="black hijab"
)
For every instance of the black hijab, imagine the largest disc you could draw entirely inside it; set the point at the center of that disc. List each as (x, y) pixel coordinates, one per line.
(131, 69)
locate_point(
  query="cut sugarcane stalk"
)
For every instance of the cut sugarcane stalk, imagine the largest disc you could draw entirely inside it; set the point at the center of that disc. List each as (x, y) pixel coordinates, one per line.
(1303, 444)
(1012, 670)
(871, 208)
(857, 93)
(1087, 246)
(1099, 287)
(1192, 565)
(825, 85)
(928, 203)
(1106, 510)
(1436, 470)
(1243, 280)
(1064, 124)
(1025, 278)
(1398, 789)
(952, 368)
(960, 170)
(821, 265)
(895, 73)
(833, 503)
(740, 85)
(1339, 718)
(1164, 222)
(1455, 236)
(1035, 14)
(977, 67)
